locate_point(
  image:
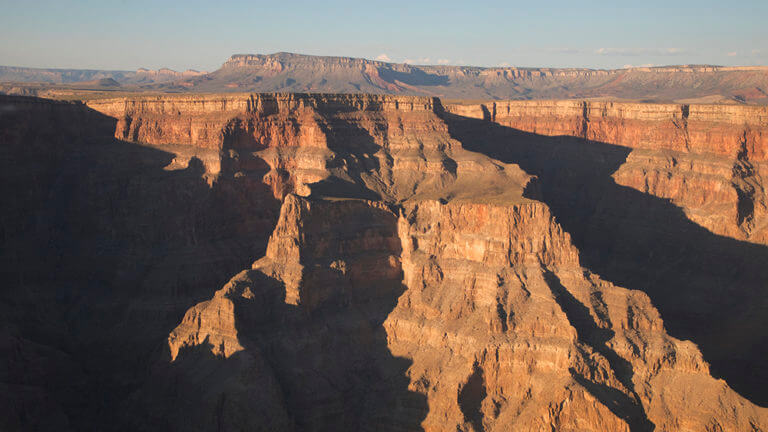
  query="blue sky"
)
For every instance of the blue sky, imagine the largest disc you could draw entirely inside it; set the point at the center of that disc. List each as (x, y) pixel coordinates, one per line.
(202, 34)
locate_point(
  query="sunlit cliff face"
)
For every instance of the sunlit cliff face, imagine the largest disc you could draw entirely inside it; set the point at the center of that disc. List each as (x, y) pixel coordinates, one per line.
(361, 262)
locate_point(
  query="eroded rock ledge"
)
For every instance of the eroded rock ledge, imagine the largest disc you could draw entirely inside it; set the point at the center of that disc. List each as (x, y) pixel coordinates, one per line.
(708, 159)
(433, 266)
(500, 325)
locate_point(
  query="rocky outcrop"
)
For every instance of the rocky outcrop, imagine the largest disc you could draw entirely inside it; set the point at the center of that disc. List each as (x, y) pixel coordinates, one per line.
(312, 310)
(297, 73)
(413, 265)
(364, 146)
(622, 230)
(508, 332)
(480, 270)
(74, 76)
(144, 75)
(707, 159)
(288, 72)
(504, 329)
(105, 244)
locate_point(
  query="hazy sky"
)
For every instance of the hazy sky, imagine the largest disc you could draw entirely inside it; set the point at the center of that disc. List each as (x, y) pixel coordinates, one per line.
(195, 34)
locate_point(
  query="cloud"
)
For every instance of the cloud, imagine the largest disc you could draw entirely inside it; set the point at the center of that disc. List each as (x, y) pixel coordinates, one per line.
(504, 64)
(443, 61)
(422, 60)
(732, 54)
(755, 51)
(640, 51)
(383, 57)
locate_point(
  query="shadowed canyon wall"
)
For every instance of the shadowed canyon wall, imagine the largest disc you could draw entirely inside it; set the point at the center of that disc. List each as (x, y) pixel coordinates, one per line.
(657, 198)
(707, 159)
(359, 262)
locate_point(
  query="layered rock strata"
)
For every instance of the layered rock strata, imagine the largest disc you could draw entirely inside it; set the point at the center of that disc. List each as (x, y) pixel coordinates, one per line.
(659, 198)
(501, 327)
(288, 72)
(105, 244)
(707, 159)
(424, 269)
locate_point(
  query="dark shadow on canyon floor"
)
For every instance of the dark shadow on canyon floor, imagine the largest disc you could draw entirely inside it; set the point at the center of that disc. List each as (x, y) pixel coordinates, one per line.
(354, 160)
(303, 369)
(333, 362)
(708, 288)
(330, 352)
(104, 249)
(589, 333)
(471, 398)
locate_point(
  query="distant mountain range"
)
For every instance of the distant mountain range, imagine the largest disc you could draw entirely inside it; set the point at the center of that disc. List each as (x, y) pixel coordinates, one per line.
(69, 76)
(287, 72)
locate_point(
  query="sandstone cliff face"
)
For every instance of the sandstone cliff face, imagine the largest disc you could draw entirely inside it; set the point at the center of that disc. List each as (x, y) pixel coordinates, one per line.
(536, 342)
(597, 172)
(707, 159)
(312, 308)
(424, 270)
(504, 329)
(374, 146)
(105, 244)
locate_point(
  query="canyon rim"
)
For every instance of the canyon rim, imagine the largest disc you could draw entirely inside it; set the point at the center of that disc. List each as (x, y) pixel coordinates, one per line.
(571, 236)
(377, 262)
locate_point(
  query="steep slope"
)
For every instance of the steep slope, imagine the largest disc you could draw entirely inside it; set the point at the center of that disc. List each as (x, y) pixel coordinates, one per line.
(57, 76)
(505, 332)
(68, 76)
(658, 198)
(287, 72)
(105, 244)
(709, 160)
(296, 73)
(424, 270)
(467, 290)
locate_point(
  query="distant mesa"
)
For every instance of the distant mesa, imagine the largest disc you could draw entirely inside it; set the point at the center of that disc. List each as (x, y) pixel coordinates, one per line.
(169, 73)
(294, 73)
(289, 72)
(101, 82)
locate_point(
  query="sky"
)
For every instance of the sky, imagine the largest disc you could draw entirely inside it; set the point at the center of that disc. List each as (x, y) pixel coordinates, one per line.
(201, 35)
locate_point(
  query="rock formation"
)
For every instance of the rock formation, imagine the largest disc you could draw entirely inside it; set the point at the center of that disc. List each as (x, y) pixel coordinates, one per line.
(69, 76)
(303, 73)
(707, 159)
(399, 264)
(288, 72)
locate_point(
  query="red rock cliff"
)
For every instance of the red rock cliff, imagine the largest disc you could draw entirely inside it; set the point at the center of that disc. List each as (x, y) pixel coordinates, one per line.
(708, 159)
(478, 288)
(424, 270)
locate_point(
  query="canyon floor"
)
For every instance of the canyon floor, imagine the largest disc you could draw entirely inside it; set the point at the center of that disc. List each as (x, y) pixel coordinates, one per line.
(325, 262)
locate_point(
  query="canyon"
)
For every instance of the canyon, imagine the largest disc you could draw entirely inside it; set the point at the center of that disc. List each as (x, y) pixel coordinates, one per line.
(313, 262)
